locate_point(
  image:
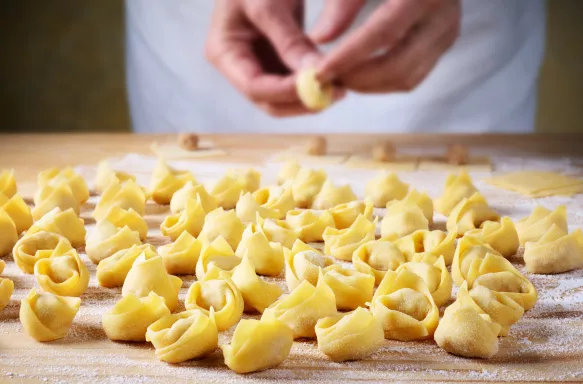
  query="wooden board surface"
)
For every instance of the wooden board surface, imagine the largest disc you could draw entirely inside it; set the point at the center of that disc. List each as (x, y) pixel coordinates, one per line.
(546, 345)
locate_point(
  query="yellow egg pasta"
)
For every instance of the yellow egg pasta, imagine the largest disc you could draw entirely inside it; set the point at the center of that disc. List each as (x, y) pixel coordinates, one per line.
(533, 227)
(304, 265)
(166, 181)
(457, 188)
(63, 275)
(345, 215)
(217, 254)
(310, 225)
(330, 196)
(65, 223)
(112, 271)
(257, 294)
(555, 252)
(435, 274)
(9, 233)
(227, 191)
(107, 175)
(128, 218)
(278, 199)
(266, 257)
(6, 290)
(192, 191)
(128, 195)
(181, 256)
(288, 171)
(190, 220)
(501, 236)
(106, 239)
(313, 94)
(438, 243)
(278, 231)
(402, 219)
(222, 223)
(248, 209)
(19, 212)
(469, 214)
(306, 185)
(7, 183)
(341, 243)
(384, 188)
(351, 288)
(56, 176)
(377, 257)
(50, 197)
(41, 245)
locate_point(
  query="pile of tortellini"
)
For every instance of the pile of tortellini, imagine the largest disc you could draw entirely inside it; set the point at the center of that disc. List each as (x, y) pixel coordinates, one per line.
(350, 293)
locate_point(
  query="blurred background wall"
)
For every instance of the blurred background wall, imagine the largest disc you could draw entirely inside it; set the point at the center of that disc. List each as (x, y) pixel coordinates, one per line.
(62, 67)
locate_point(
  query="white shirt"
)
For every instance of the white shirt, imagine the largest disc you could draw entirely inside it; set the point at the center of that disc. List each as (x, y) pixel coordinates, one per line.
(487, 82)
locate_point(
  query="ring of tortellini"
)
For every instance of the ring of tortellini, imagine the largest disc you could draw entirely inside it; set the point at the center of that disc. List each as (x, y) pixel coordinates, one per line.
(181, 256)
(55, 176)
(248, 209)
(555, 252)
(278, 231)
(257, 294)
(65, 223)
(107, 175)
(351, 288)
(349, 336)
(304, 263)
(46, 316)
(63, 275)
(128, 218)
(405, 307)
(277, 198)
(313, 94)
(184, 336)
(377, 257)
(267, 257)
(106, 239)
(436, 242)
(17, 209)
(217, 292)
(330, 196)
(341, 243)
(310, 225)
(469, 214)
(533, 227)
(345, 215)
(403, 218)
(222, 223)
(190, 220)
(166, 181)
(192, 191)
(435, 274)
(131, 316)
(384, 188)
(217, 254)
(34, 247)
(258, 344)
(6, 290)
(457, 188)
(128, 195)
(7, 183)
(501, 236)
(50, 197)
(306, 184)
(112, 271)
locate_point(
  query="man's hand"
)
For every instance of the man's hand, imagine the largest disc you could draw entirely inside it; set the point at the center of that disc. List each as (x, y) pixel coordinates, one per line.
(394, 50)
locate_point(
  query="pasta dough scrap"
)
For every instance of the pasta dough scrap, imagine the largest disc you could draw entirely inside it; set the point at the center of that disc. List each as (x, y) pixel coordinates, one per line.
(421, 200)
(7, 183)
(183, 336)
(9, 233)
(6, 290)
(65, 223)
(257, 294)
(352, 288)
(278, 231)
(303, 307)
(146, 275)
(112, 271)
(218, 254)
(349, 336)
(345, 214)
(402, 219)
(18, 211)
(538, 183)
(222, 223)
(304, 263)
(465, 332)
(341, 243)
(63, 275)
(533, 227)
(41, 245)
(469, 214)
(331, 196)
(257, 345)
(437, 243)
(306, 186)
(191, 191)
(106, 239)
(248, 209)
(47, 317)
(457, 188)
(313, 94)
(401, 163)
(555, 252)
(279, 199)
(216, 293)
(384, 188)
(434, 272)
(190, 220)
(501, 236)
(310, 225)
(128, 195)
(181, 256)
(166, 181)
(56, 176)
(405, 307)
(288, 171)
(267, 258)
(131, 316)
(377, 257)
(48, 198)
(107, 175)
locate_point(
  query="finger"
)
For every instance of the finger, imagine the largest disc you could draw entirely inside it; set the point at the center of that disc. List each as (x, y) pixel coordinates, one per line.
(335, 19)
(296, 108)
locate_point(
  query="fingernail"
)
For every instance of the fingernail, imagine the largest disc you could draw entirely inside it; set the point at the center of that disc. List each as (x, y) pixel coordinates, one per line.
(310, 60)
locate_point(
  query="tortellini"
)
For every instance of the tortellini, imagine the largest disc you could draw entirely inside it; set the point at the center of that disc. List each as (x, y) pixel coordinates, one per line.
(258, 344)
(65, 223)
(148, 275)
(555, 252)
(183, 336)
(249, 179)
(501, 236)
(402, 219)
(304, 264)
(192, 191)
(9, 233)
(50, 197)
(288, 172)
(464, 332)
(19, 212)
(478, 264)
(63, 275)
(341, 243)
(313, 94)
(181, 256)
(469, 214)
(112, 271)
(405, 307)
(310, 225)
(267, 258)
(421, 200)
(434, 272)
(229, 188)
(190, 220)
(457, 188)
(128, 217)
(306, 185)
(131, 316)
(377, 257)
(106, 239)
(437, 243)
(303, 307)
(34, 247)
(331, 196)
(351, 288)
(533, 227)
(248, 209)
(257, 294)
(346, 214)
(222, 223)
(7, 183)
(55, 176)
(349, 336)
(218, 254)
(384, 188)
(166, 181)
(217, 293)
(47, 317)
(279, 199)
(278, 231)
(107, 175)
(128, 195)
(6, 290)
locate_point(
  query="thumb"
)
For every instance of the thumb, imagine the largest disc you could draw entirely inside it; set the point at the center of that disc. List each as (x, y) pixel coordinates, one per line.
(335, 19)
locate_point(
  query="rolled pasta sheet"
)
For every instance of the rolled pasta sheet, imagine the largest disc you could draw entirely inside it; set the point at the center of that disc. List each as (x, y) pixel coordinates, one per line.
(437, 243)
(248, 209)
(63, 275)
(192, 191)
(107, 175)
(278, 231)
(555, 252)
(384, 188)
(183, 336)
(47, 317)
(402, 219)
(128, 218)
(65, 223)
(9, 236)
(435, 274)
(469, 214)
(258, 344)
(6, 290)
(349, 336)
(345, 215)
(501, 236)
(190, 220)
(217, 254)
(7, 183)
(131, 316)
(222, 223)
(533, 227)
(112, 271)
(304, 265)
(306, 185)
(127, 195)
(457, 188)
(310, 225)
(56, 176)
(266, 257)
(257, 294)
(279, 199)
(166, 181)
(18, 210)
(181, 256)
(331, 195)
(106, 239)
(377, 257)
(341, 243)
(50, 197)
(351, 288)
(41, 245)
(227, 191)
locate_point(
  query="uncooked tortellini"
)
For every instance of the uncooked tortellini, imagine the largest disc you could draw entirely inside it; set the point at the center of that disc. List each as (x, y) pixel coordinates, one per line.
(131, 316)
(41, 245)
(250, 179)
(306, 185)
(349, 336)
(331, 196)
(310, 225)
(555, 252)
(166, 181)
(16, 208)
(257, 294)
(47, 317)
(128, 217)
(190, 220)
(377, 257)
(384, 188)
(341, 243)
(248, 209)
(501, 236)
(106, 239)
(6, 290)
(304, 265)
(402, 219)
(469, 214)
(222, 223)
(63, 275)
(192, 191)
(55, 176)
(437, 243)
(7, 183)
(9, 234)
(181, 256)
(288, 172)
(65, 223)
(351, 288)
(279, 199)
(267, 258)
(457, 188)
(258, 344)
(112, 271)
(217, 254)
(278, 231)
(434, 272)
(533, 227)
(128, 195)
(50, 197)
(422, 200)
(107, 175)
(313, 94)
(345, 214)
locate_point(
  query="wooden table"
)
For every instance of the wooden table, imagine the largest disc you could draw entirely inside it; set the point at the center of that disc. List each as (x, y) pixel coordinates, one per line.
(546, 345)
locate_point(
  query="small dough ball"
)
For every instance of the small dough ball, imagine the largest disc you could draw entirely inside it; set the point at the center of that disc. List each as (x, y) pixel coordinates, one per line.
(188, 141)
(384, 152)
(457, 154)
(317, 146)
